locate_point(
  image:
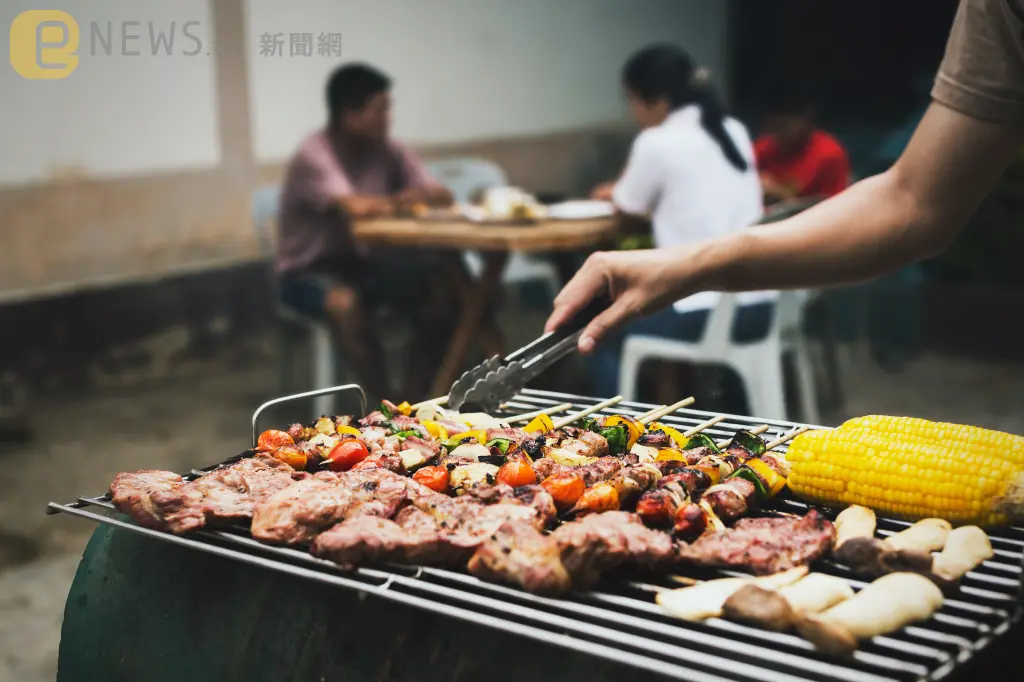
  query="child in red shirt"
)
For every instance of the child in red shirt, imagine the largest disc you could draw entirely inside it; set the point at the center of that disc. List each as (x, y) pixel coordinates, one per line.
(797, 160)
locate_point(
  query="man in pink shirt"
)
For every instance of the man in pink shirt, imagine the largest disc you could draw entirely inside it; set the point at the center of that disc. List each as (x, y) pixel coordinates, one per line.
(351, 169)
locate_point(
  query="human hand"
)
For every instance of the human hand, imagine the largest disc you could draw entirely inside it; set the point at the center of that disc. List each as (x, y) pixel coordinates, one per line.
(603, 192)
(638, 282)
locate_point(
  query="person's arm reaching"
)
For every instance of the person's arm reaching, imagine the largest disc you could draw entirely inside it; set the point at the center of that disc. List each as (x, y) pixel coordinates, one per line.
(911, 212)
(420, 186)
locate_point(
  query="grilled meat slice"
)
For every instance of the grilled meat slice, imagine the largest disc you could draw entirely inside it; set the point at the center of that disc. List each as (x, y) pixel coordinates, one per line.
(600, 542)
(297, 514)
(732, 498)
(601, 470)
(224, 495)
(507, 432)
(655, 439)
(132, 494)
(372, 539)
(518, 554)
(533, 496)
(375, 418)
(765, 545)
(428, 449)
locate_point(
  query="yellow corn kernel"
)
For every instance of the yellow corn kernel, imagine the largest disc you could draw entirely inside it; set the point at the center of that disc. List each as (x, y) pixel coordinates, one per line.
(912, 468)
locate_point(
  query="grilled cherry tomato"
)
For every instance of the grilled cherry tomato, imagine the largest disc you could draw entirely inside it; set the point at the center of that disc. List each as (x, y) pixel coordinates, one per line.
(272, 440)
(565, 488)
(347, 454)
(292, 456)
(433, 477)
(598, 498)
(516, 473)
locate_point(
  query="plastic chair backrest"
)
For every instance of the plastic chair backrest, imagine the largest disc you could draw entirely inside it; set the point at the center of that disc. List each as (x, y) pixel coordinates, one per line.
(463, 176)
(265, 201)
(786, 320)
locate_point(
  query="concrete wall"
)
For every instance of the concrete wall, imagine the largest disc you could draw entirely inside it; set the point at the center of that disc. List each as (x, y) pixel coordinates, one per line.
(139, 166)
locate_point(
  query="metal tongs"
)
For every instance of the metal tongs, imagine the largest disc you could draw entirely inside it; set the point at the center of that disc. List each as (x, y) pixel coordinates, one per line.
(494, 381)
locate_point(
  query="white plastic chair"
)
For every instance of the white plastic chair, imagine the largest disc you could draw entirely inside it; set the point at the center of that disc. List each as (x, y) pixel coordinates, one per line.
(464, 177)
(265, 202)
(759, 364)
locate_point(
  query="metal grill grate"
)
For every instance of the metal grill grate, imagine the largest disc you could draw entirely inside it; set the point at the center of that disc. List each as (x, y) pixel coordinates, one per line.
(621, 621)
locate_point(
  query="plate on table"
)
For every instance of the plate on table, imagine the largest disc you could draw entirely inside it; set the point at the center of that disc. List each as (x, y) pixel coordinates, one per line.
(582, 209)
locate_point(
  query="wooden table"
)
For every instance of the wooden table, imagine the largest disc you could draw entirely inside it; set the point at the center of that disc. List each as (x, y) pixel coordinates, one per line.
(477, 298)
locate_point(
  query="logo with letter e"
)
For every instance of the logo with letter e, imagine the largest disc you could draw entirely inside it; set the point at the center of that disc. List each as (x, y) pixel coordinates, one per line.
(43, 44)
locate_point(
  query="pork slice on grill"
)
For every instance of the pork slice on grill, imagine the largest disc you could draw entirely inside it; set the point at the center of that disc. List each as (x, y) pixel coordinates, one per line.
(598, 471)
(297, 514)
(600, 542)
(519, 554)
(533, 496)
(655, 439)
(371, 539)
(225, 495)
(132, 493)
(765, 545)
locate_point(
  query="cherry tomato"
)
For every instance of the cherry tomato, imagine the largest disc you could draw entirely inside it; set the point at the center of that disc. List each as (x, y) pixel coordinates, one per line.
(565, 488)
(347, 454)
(272, 440)
(371, 462)
(292, 456)
(516, 473)
(598, 498)
(434, 477)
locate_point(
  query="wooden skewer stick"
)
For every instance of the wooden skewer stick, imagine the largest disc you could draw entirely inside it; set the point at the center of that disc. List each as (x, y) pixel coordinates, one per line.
(565, 421)
(668, 409)
(785, 437)
(527, 416)
(433, 401)
(756, 430)
(704, 425)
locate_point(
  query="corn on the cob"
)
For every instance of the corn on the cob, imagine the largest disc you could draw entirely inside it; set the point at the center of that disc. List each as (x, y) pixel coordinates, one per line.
(913, 468)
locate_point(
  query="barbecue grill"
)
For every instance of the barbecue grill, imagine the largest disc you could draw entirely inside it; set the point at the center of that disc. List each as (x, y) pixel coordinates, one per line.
(620, 620)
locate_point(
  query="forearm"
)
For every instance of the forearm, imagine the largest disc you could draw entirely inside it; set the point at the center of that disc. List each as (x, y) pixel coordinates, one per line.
(873, 228)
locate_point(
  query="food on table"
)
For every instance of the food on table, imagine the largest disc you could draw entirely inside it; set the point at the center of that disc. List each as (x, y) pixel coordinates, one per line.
(966, 547)
(705, 600)
(913, 468)
(781, 609)
(764, 545)
(346, 455)
(854, 522)
(162, 500)
(888, 604)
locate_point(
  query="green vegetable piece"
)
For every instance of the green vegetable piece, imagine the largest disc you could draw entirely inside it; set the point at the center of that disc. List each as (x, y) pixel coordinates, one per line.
(503, 444)
(702, 440)
(617, 439)
(760, 490)
(749, 442)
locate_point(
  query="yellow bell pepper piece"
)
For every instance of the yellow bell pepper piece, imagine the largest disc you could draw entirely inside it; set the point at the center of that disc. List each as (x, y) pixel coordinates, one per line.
(480, 436)
(670, 455)
(773, 480)
(349, 431)
(540, 424)
(634, 429)
(405, 408)
(435, 430)
(678, 438)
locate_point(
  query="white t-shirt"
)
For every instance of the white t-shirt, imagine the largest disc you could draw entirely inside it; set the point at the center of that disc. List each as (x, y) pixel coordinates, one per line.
(678, 175)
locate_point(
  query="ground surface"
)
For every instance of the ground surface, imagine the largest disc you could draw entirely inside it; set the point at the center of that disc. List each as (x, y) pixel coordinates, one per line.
(203, 416)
